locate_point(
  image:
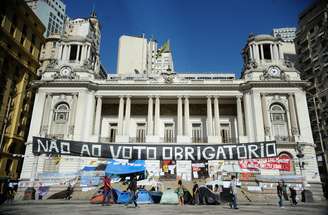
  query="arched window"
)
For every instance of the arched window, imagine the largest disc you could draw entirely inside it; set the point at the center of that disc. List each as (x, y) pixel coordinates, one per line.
(278, 118)
(61, 112)
(286, 163)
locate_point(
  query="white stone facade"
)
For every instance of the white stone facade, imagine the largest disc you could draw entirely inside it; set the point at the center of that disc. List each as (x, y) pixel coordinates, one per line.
(267, 103)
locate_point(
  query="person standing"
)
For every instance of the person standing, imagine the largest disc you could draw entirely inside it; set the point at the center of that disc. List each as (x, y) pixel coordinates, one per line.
(133, 189)
(68, 192)
(195, 194)
(180, 193)
(293, 195)
(217, 191)
(280, 194)
(233, 192)
(107, 190)
(284, 191)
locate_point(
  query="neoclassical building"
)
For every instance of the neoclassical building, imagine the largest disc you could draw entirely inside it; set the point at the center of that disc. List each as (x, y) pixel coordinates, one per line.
(77, 100)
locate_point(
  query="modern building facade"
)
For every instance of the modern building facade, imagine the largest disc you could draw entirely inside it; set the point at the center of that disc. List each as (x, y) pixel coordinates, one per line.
(312, 49)
(52, 13)
(76, 102)
(21, 37)
(286, 34)
(137, 55)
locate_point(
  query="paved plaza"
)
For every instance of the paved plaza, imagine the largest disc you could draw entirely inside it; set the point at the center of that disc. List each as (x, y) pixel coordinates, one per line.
(81, 207)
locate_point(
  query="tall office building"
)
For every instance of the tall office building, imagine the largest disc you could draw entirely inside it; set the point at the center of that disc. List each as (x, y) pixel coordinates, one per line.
(140, 56)
(52, 13)
(312, 49)
(286, 34)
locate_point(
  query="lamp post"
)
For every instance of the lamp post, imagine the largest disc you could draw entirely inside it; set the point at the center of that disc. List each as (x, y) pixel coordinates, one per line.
(299, 149)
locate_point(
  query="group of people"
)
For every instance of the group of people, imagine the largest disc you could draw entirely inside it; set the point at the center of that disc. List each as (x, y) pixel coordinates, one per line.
(108, 191)
(283, 195)
(217, 190)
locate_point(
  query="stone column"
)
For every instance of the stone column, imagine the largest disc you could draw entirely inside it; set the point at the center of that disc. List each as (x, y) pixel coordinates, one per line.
(265, 115)
(276, 57)
(209, 116)
(98, 116)
(120, 116)
(250, 52)
(45, 115)
(248, 121)
(73, 115)
(150, 128)
(280, 54)
(157, 115)
(217, 118)
(186, 115)
(68, 52)
(271, 51)
(179, 116)
(240, 120)
(262, 53)
(127, 115)
(77, 52)
(292, 112)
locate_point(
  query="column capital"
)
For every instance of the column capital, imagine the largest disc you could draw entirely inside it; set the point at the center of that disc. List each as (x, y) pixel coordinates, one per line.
(157, 97)
(150, 97)
(209, 97)
(121, 97)
(186, 97)
(128, 96)
(290, 94)
(264, 94)
(216, 97)
(99, 97)
(239, 97)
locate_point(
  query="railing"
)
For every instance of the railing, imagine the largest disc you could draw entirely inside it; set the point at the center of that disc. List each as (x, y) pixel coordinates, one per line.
(284, 139)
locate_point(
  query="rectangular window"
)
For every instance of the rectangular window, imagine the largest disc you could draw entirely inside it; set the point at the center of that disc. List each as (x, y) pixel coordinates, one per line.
(169, 133)
(225, 133)
(112, 132)
(141, 133)
(197, 136)
(73, 53)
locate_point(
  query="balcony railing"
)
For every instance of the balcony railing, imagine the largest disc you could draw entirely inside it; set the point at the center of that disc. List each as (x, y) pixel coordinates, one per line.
(284, 139)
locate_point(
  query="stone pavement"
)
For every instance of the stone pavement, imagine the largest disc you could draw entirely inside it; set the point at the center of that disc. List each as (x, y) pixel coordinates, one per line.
(83, 207)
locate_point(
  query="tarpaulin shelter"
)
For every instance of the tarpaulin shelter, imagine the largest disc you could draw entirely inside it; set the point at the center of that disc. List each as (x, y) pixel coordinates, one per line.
(169, 197)
(121, 169)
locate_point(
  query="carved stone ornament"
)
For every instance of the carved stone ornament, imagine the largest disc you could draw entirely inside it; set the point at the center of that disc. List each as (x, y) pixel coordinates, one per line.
(65, 72)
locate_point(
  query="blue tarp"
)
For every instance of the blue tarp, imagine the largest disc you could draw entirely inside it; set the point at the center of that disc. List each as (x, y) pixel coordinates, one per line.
(117, 168)
(89, 168)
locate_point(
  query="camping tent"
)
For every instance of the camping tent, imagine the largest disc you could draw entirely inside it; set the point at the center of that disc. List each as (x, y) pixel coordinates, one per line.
(144, 197)
(98, 197)
(207, 197)
(169, 197)
(156, 196)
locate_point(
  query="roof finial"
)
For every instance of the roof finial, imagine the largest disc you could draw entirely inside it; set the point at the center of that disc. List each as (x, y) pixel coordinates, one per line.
(93, 12)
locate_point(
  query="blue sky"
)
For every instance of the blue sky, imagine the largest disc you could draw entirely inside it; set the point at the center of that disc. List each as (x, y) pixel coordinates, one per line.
(205, 35)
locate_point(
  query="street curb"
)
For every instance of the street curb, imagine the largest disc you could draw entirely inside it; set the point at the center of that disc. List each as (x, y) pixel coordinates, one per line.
(77, 202)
